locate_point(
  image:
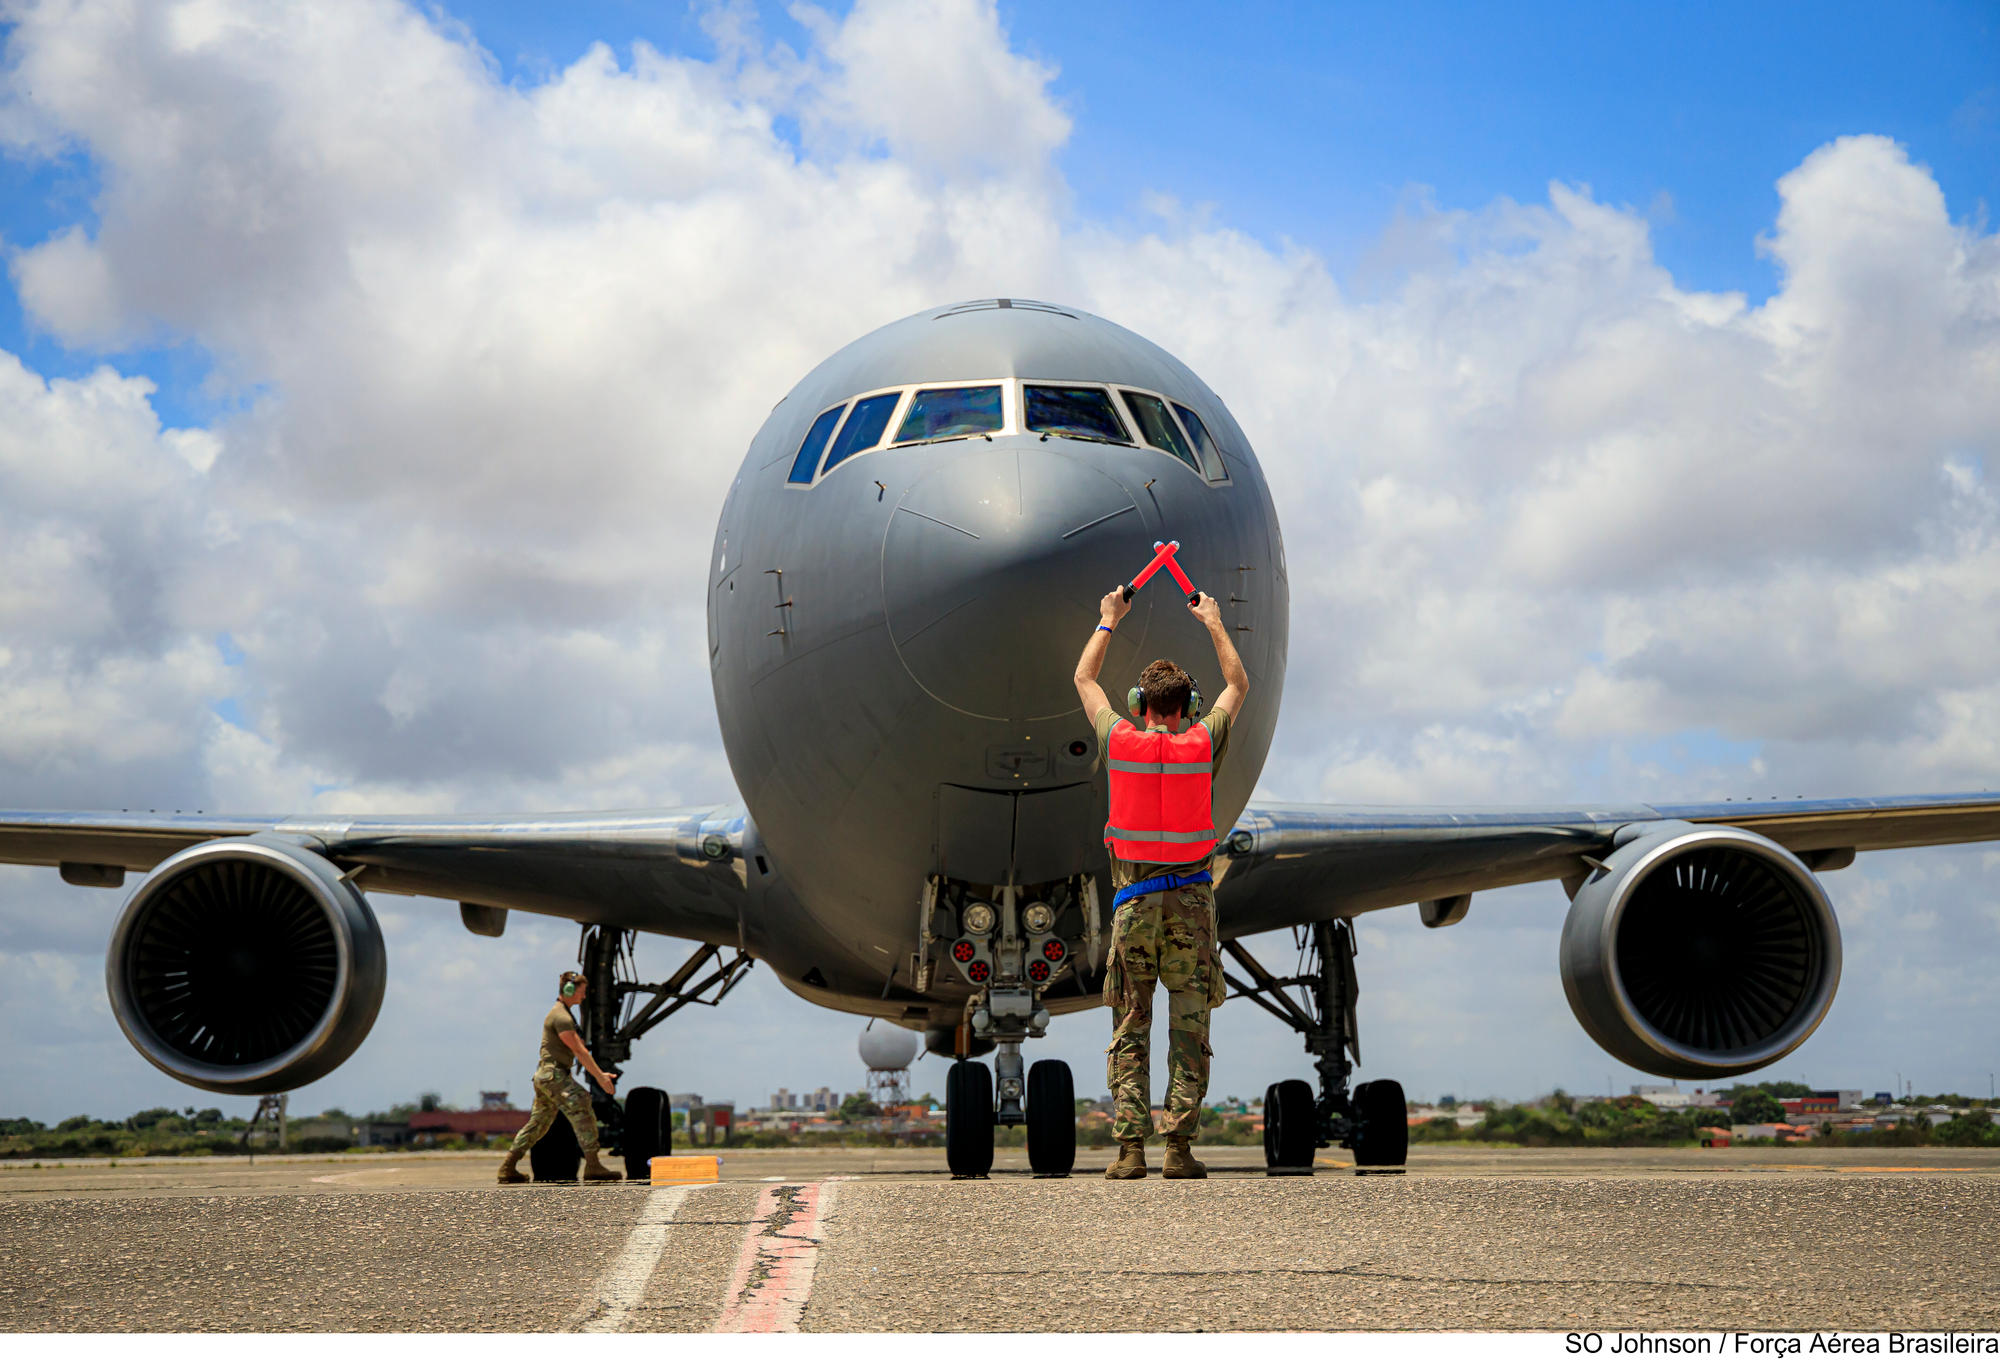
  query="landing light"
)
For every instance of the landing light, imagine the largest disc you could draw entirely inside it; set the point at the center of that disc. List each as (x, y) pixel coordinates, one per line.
(979, 918)
(1038, 917)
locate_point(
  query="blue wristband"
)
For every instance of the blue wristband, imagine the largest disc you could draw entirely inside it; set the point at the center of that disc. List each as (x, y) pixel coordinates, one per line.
(1106, 628)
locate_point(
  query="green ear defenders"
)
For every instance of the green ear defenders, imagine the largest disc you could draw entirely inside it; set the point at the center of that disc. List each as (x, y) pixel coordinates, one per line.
(571, 985)
(1137, 705)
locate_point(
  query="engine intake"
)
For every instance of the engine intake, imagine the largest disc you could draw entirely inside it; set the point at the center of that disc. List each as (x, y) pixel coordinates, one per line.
(246, 967)
(1700, 952)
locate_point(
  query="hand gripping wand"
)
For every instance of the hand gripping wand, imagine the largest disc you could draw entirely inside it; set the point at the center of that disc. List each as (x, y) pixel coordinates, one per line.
(1163, 556)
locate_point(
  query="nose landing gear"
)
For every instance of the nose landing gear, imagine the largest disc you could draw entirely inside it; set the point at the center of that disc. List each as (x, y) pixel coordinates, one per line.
(1370, 1120)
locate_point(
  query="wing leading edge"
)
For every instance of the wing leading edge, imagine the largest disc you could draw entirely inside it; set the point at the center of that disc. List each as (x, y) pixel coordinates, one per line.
(677, 871)
(1289, 863)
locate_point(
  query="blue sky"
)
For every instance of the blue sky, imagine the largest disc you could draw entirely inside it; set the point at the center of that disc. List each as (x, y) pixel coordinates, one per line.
(1562, 525)
(1314, 123)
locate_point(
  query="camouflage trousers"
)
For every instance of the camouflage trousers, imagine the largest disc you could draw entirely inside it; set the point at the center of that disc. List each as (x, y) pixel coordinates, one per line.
(1166, 937)
(557, 1092)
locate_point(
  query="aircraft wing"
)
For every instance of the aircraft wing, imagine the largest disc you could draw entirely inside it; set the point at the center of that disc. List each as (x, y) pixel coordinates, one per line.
(1290, 863)
(677, 871)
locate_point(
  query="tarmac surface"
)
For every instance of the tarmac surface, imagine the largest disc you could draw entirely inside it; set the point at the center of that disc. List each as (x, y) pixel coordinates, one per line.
(866, 1240)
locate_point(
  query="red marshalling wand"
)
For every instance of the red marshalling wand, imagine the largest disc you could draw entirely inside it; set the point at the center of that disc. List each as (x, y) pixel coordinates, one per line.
(1163, 556)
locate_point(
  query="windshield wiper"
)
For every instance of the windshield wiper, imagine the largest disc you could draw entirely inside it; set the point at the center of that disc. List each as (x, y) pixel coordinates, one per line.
(1086, 438)
(942, 439)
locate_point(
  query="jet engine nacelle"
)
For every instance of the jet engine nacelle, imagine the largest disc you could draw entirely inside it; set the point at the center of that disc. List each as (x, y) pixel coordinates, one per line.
(246, 966)
(1700, 952)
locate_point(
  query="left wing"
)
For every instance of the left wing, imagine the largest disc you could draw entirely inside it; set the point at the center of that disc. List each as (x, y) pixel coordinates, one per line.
(676, 871)
(1291, 863)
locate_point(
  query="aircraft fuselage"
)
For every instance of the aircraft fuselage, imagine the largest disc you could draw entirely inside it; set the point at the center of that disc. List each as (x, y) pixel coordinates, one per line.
(892, 639)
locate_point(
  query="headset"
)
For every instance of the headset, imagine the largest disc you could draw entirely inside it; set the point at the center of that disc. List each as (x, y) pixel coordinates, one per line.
(572, 983)
(1136, 703)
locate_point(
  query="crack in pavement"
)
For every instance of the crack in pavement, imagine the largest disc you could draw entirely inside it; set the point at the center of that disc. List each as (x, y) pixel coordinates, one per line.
(1362, 1273)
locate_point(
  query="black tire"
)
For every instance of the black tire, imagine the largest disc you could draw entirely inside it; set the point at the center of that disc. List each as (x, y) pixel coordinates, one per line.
(556, 1157)
(1291, 1126)
(649, 1131)
(1051, 1118)
(1382, 1135)
(968, 1119)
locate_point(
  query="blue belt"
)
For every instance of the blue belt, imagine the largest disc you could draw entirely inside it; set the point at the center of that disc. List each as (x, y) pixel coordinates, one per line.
(1164, 883)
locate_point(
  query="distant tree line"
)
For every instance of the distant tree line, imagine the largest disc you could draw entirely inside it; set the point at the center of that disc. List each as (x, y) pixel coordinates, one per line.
(1563, 1120)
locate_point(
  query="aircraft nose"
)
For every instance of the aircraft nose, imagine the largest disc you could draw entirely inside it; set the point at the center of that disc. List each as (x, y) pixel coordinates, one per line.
(992, 567)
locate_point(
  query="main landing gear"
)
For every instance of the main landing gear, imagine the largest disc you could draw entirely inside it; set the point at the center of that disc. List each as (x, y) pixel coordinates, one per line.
(1370, 1120)
(612, 1020)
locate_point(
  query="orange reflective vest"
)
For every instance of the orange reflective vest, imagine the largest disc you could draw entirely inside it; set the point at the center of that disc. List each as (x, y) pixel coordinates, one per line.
(1160, 806)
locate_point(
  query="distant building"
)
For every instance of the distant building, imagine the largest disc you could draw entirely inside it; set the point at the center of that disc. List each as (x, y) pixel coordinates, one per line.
(427, 1126)
(494, 1100)
(1673, 1098)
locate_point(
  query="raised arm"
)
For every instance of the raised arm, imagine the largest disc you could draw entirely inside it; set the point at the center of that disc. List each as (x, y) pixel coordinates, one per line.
(1235, 680)
(1110, 610)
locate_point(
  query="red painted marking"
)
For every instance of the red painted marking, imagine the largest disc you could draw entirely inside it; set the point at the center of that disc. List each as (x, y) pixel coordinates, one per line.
(774, 1271)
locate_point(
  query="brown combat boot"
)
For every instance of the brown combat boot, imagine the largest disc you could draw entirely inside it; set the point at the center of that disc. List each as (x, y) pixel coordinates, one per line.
(1181, 1165)
(594, 1170)
(1131, 1163)
(509, 1173)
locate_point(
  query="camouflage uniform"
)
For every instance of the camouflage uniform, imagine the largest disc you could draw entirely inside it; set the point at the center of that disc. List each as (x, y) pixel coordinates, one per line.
(1167, 937)
(556, 1091)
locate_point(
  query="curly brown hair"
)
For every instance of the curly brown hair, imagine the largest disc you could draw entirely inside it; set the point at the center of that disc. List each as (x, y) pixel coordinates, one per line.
(1164, 689)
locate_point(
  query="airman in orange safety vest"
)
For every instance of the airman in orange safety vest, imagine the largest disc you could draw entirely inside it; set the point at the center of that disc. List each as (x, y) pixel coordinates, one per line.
(1162, 838)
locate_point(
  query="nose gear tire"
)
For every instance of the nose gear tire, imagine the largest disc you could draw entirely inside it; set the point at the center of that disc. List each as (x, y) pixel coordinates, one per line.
(968, 1119)
(1051, 1118)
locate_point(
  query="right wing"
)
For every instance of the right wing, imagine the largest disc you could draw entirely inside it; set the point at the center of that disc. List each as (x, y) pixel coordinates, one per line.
(677, 871)
(1289, 864)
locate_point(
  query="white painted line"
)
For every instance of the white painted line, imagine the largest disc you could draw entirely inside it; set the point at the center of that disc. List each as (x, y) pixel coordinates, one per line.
(624, 1281)
(774, 1271)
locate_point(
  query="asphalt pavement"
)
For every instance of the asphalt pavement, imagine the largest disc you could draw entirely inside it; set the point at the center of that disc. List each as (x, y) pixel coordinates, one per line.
(866, 1240)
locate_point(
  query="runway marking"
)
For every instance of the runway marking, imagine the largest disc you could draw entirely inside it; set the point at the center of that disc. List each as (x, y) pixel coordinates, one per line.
(340, 1176)
(774, 1271)
(624, 1281)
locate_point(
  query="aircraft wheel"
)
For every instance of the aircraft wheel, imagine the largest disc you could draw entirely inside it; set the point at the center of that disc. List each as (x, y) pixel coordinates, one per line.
(1051, 1118)
(1291, 1128)
(649, 1131)
(556, 1157)
(1383, 1138)
(968, 1119)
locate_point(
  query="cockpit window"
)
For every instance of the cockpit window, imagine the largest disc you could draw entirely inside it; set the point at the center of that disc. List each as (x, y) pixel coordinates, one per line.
(951, 413)
(1157, 426)
(815, 440)
(1074, 413)
(863, 429)
(1211, 457)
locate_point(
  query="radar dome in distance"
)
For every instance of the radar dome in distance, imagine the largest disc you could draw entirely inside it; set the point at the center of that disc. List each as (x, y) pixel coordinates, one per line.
(889, 1049)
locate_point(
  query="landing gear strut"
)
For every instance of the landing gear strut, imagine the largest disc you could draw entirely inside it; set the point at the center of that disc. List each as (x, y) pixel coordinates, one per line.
(1369, 1119)
(612, 1020)
(1013, 952)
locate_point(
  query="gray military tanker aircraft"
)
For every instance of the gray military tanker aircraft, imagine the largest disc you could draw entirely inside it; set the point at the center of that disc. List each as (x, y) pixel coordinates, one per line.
(904, 571)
